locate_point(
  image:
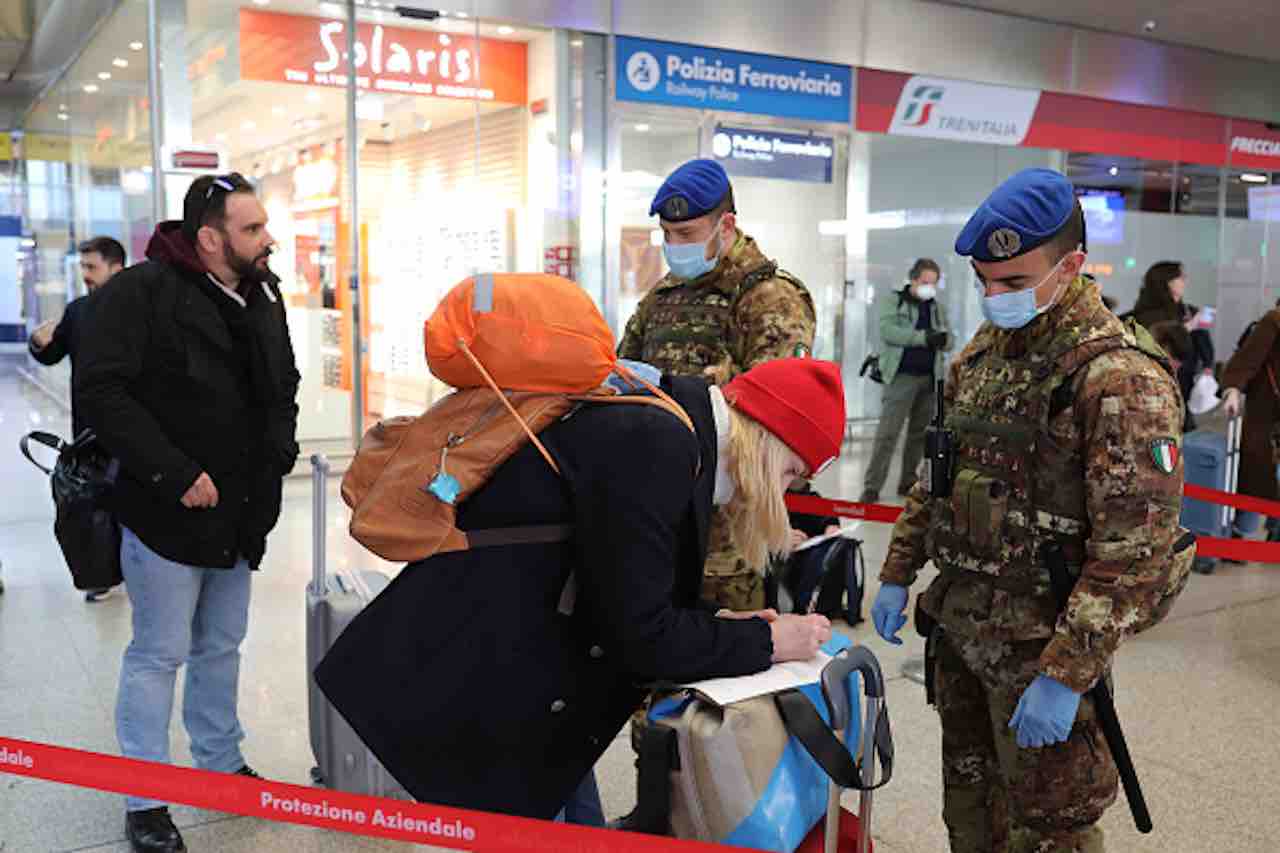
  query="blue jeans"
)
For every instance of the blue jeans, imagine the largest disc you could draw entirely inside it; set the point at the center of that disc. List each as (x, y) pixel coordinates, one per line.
(584, 807)
(181, 615)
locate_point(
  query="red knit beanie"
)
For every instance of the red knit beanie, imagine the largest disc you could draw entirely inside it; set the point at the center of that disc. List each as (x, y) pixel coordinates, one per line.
(800, 400)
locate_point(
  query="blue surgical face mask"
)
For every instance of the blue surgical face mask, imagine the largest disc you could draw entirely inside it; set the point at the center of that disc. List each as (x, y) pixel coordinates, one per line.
(689, 260)
(1016, 309)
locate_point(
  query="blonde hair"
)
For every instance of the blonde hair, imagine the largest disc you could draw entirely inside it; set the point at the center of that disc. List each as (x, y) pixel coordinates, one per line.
(757, 513)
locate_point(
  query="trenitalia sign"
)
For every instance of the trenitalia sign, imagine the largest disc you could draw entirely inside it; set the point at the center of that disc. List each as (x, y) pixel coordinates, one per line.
(310, 51)
(965, 112)
(939, 108)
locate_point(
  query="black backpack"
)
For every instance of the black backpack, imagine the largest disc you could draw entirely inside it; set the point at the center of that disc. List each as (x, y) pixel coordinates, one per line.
(828, 578)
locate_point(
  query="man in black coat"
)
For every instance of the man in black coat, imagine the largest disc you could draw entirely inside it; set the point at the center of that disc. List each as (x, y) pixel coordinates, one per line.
(473, 682)
(100, 259)
(187, 376)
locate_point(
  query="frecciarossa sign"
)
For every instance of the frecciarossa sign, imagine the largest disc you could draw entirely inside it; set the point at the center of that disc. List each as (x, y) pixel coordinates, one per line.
(939, 108)
(312, 51)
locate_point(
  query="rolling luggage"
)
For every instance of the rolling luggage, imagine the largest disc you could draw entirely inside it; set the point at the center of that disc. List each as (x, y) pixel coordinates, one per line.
(343, 762)
(1211, 460)
(842, 831)
(757, 761)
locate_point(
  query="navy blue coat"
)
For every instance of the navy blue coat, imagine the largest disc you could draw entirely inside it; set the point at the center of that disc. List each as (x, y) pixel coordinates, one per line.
(463, 677)
(63, 343)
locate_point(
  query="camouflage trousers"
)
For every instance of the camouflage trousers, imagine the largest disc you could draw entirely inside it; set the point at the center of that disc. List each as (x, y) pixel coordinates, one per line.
(727, 579)
(999, 798)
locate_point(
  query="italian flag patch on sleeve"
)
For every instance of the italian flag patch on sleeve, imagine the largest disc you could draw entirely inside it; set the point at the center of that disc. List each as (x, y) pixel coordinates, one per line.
(1164, 452)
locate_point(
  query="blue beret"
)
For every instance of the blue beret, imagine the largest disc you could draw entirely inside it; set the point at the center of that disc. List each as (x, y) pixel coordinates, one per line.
(1023, 213)
(691, 191)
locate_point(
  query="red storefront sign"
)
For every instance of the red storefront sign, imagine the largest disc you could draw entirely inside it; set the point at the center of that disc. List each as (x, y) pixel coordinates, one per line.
(893, 102)
(310, 51)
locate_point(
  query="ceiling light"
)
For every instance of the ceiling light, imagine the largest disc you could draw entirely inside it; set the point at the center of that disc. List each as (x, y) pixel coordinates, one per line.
(248, 125)
(642, 128)
(504, 30)
(1113, 171)
(460, 14)
(261, 2)
(331, 9)
(1253, 178)
(575, 43)
(104, 75)
(146, 170)
(135, 45)
(120, 63)
(91, 87)
(63, 116)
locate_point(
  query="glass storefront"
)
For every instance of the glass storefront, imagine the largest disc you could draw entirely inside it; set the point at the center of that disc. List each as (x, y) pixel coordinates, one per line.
(497, 145)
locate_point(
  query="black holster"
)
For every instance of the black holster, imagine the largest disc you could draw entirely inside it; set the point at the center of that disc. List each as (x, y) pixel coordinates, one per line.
(928, 627)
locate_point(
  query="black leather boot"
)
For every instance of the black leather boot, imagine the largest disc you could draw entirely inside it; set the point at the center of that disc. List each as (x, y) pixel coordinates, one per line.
(152, 831)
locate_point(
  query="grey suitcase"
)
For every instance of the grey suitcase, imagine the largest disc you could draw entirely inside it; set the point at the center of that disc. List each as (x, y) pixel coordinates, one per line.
(343, 762)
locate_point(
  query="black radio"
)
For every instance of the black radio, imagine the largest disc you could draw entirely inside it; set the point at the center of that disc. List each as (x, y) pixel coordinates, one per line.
(940, 452)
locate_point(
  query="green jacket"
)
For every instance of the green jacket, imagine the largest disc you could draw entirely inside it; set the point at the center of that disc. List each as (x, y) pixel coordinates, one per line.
(898, 316)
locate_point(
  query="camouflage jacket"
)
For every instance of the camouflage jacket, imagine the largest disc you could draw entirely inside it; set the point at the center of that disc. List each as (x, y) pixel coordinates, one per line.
(744, 312)
(1096, 469)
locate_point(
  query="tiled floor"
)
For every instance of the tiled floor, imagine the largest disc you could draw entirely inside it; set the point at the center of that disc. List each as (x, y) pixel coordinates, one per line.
(1198, 695)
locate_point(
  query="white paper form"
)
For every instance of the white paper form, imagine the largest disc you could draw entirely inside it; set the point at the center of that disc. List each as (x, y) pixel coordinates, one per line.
(780, 676)
(844, 530)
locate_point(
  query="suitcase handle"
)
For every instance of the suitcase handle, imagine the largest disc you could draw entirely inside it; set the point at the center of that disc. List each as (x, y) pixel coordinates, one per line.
(319, 526)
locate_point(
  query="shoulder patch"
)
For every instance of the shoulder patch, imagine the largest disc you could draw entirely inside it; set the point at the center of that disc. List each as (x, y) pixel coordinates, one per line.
(1164, 452)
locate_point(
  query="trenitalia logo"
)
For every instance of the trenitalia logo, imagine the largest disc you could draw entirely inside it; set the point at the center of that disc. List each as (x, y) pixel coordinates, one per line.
(971, 112)
(923, 100)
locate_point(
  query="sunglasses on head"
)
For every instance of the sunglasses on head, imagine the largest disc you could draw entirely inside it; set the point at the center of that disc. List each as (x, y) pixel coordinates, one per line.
(228, 183)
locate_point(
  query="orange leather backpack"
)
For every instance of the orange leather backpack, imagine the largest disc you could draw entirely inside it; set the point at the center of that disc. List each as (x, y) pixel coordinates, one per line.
(522, 350)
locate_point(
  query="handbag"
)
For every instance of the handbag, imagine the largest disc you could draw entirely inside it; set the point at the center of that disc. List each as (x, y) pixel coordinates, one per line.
(82, 480)
(755, 772)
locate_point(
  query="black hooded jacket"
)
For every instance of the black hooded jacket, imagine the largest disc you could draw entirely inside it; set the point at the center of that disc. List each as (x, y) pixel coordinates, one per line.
(176, 378)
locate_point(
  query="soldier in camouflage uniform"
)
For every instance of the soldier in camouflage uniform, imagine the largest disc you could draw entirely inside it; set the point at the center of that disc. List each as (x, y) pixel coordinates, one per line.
(1067, 424)
(723, 309)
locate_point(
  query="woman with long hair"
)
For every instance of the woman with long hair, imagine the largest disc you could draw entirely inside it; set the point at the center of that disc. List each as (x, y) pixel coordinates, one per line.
(1161, 301)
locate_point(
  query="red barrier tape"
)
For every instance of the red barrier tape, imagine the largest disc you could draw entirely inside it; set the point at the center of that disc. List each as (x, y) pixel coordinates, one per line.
(1213, 496)
(1243, 550)
(375, 817)
(814, 505)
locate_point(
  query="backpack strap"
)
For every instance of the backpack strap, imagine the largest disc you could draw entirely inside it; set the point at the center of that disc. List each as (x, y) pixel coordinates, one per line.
(667, 405)
(538, 534)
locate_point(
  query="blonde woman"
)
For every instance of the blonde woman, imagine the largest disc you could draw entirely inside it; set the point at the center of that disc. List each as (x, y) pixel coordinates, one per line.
(495, 678)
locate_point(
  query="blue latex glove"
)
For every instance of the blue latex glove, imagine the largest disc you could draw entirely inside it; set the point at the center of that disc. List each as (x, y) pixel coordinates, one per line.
(647, 372)
(1045, 713)
(887, 613)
